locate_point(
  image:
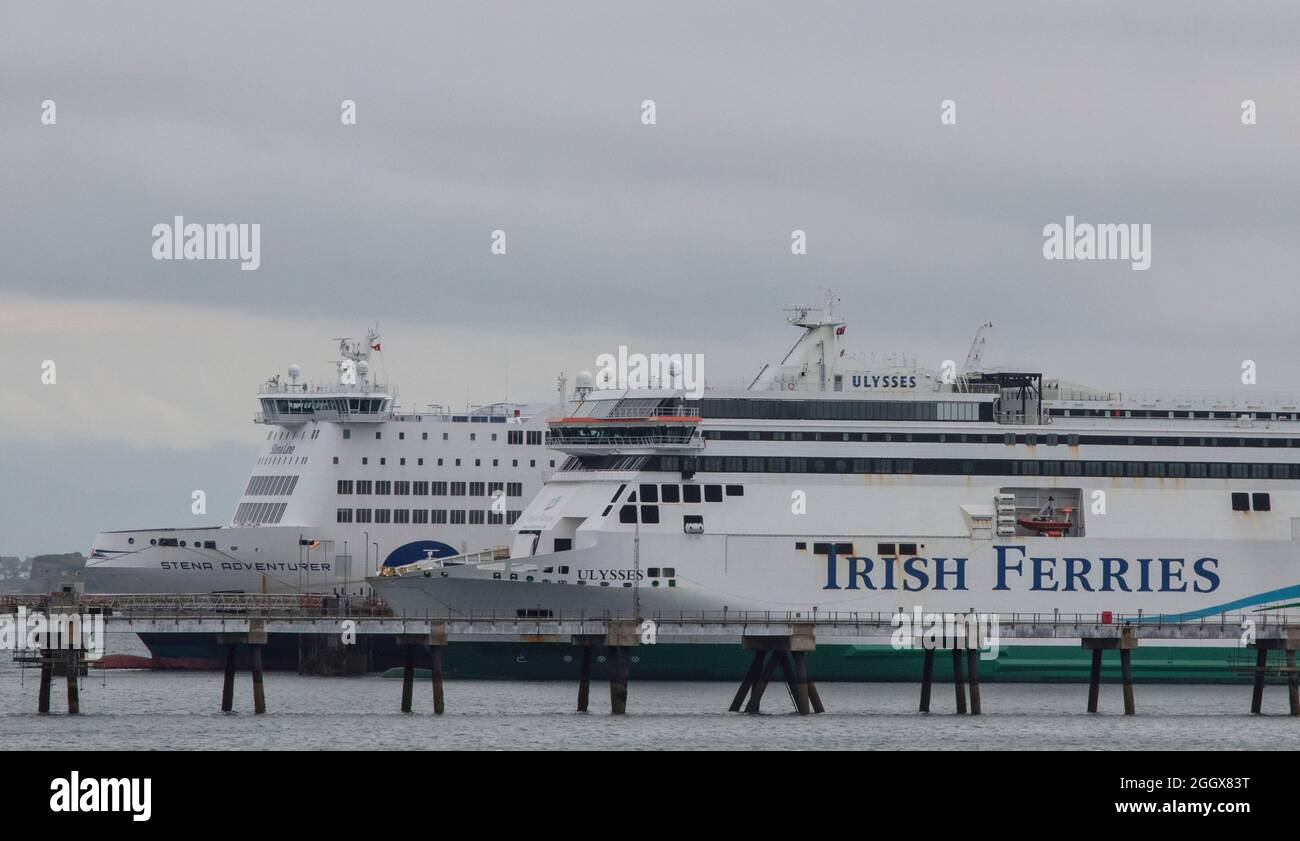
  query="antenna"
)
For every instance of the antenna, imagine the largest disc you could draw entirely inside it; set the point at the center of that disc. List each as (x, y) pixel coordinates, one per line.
(974, 356)
(972, 363)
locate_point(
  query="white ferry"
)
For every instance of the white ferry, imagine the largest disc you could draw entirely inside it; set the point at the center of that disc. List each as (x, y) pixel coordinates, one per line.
(834, 484)
(345, 484)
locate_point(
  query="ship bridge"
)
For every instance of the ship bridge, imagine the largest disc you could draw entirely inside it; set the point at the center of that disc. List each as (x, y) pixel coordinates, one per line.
(287, 403)
(355, 397)
(612, 422)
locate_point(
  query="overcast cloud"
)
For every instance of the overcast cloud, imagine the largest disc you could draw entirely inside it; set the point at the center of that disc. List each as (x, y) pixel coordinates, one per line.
(525, 117)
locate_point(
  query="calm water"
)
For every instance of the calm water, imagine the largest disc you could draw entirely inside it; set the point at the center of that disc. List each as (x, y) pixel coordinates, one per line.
(169, 710)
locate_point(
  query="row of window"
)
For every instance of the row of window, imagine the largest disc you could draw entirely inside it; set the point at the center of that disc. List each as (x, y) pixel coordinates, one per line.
(906, 410)
(844, 550)
(271, 486)
(1188, 414)
(478, 462)
(651, 495)
(515, 436)
(1008, 438)
(423, 516)
(403, 487)
(910, 410)
(973, 467)
(258, 513)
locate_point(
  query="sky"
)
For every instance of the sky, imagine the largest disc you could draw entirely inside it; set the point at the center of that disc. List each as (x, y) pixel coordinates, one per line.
(673, 237)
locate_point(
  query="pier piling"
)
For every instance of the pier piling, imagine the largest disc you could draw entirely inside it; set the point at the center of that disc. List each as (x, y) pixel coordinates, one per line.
(47, 677)
(927, 678)
(1126, 674)
(619, 639)
(1292, 682)
(1094, 681)
(802, 701)
(259, 688)
(617, 680)
(435, 639)
(1286, 640)
(1257, 696)
(254, 638)
(752, 675)
(1124, 642)
(973, 673)
(815, 697)
(228, 683)
(584, 679)
(408, 678)
(760, 685)
(786, 652)
(438, 704)
(957, 682)
(74, 687)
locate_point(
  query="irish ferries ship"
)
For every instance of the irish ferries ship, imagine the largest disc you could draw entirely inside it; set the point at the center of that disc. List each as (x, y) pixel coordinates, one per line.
(836, 484)
(346, 483)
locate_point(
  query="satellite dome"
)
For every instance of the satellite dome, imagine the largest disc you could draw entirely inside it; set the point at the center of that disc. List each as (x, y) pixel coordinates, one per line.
(294, 371)
(584, 379)
(363, 367)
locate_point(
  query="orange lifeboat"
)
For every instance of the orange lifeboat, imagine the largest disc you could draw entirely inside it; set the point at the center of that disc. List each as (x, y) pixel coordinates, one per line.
(1049, 520)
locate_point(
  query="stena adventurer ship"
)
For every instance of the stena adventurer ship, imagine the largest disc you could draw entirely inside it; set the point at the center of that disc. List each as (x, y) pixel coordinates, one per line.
(346, 483)
(833, 484)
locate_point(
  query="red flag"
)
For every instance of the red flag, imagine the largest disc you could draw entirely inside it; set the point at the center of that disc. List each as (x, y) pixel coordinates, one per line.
(374, 347)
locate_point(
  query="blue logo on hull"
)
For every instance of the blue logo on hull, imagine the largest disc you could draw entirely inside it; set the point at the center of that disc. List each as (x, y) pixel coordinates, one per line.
(420, 550)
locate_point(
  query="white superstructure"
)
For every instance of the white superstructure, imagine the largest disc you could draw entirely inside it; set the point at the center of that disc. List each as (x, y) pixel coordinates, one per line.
(836, 484)
(344, 484)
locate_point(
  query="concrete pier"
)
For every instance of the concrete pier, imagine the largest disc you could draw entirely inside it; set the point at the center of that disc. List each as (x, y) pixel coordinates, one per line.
(776, 640)
(787, 653)
(1287, 642)
(254, 638)
(435, 639)
(1111, 638)
(619, 639)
